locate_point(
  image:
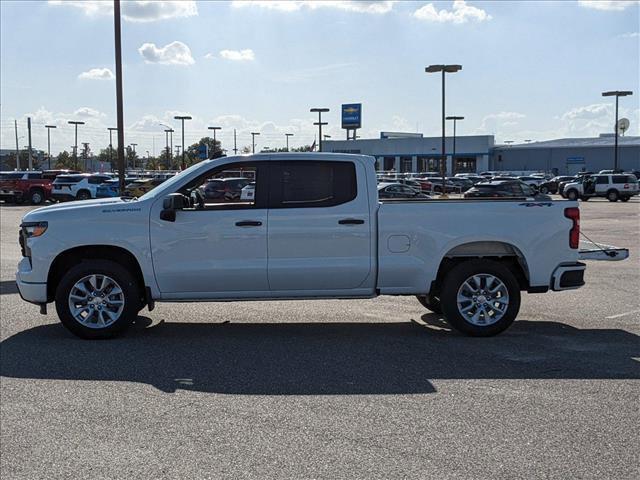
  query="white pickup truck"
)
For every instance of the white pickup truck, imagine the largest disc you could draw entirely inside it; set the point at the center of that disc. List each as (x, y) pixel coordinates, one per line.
(315, 228)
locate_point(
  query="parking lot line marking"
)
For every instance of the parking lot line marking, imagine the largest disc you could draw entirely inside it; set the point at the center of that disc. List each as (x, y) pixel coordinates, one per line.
(623, 314)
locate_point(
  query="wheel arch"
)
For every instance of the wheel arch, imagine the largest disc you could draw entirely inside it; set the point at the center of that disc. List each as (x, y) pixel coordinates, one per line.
(73, 256)
(498, 251)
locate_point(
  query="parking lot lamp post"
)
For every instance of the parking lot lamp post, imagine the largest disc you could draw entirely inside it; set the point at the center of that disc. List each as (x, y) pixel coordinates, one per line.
(319, 123)
(287, 135)
(215, 147)
(444, 69)
(49, 127)
(253, 141)
(111, 130)
(453, 155)
(617, 94)
(182, 118)
(133, 146)
(75, 143)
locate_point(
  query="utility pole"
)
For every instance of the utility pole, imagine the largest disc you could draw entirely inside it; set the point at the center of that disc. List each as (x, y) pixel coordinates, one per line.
(182, 118)
(235, 143)
(134, 154)
(111, 129)
(166, 138)
(15, 124)
(215, 146)
(253, 141)
(29, 137)
(177, 151)
(287, 135)
(75, 143)
(320, 123)
(85, 154)
(49, 127)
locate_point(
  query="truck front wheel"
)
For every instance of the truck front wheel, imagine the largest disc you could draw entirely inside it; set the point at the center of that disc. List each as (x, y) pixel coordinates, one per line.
(97, 299)
(480, 298)
(430, 302)
(36, 196)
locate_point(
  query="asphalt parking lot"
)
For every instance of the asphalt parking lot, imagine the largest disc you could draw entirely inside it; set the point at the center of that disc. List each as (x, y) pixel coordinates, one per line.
(331, 389)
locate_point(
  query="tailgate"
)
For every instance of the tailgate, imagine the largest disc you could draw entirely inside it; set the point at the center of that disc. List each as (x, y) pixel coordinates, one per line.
(592, 251)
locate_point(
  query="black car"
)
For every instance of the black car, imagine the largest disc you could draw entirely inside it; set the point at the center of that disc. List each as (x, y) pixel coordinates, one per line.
(398, 190)
(551, 186)
(500, 189)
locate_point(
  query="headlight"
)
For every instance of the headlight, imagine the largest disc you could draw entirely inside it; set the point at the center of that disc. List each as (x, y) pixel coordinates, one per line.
(34, 229)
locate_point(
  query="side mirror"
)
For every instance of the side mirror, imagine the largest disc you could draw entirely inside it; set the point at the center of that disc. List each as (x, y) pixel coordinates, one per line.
(170, 204)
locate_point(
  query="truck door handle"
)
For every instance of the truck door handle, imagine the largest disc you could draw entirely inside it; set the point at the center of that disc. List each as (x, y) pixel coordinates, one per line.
(351, 221)
(248, 223)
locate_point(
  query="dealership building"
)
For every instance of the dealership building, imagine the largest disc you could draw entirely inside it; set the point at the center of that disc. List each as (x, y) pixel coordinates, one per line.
(412, 152)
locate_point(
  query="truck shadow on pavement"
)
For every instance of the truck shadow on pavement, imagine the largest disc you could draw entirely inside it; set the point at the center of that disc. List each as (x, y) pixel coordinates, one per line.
(8, 287)
(319, 358)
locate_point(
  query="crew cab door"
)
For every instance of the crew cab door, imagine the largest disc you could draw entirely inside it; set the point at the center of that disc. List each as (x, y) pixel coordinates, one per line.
(217, 248)
(319, 235)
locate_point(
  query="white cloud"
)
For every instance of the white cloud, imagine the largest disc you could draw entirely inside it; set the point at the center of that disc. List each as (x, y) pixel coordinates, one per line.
(88, 112)
(238, 55)
(629, 35)
(175, 53)
(97, 74)
(359, 6)
(209, 56)
(588, 112)
(306, 74)
(607, 5)
(461, 12)
(134, 11)
(504, 119)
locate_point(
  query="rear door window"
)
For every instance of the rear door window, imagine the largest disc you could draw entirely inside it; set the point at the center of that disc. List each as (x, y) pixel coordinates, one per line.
(602, 180)
(306, 184)
(622, 179)
(69, 179)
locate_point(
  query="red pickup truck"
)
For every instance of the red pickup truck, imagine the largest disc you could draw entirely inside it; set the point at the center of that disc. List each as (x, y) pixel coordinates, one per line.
(31, 186)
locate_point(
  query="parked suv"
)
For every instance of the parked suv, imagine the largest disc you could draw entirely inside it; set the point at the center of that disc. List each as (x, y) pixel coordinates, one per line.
(77, 187)
(614, 187)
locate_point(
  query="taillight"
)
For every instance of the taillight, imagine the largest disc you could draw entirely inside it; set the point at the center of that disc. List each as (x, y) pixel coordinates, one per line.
(574, 234)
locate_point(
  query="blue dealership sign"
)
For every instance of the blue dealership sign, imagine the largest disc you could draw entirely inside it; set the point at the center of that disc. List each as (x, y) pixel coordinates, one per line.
(351, 115)
(575, 160)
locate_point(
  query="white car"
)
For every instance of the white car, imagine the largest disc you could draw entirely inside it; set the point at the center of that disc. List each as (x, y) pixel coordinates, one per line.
(315, 229)
(82, 186)
(617, 186)
(248, 193)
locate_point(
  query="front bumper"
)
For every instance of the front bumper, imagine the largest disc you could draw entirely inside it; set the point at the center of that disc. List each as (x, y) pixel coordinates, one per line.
(568, 277)
(32, 292)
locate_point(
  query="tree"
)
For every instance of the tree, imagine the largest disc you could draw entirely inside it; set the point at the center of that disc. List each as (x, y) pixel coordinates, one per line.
(154, 163)
(305, 148)
(65, 161)
(131, 158)
(246, 149)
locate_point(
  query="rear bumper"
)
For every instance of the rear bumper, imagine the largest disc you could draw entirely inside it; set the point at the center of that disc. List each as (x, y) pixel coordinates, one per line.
(568, 277)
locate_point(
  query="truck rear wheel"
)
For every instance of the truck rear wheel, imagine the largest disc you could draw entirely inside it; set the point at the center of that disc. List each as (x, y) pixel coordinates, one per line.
(430, 302)
(572, 194)
(612, 195)
(97, 299)
(480, 298)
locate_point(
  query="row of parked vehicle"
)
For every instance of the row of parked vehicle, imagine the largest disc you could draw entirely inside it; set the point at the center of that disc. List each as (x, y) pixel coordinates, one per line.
(36, 187)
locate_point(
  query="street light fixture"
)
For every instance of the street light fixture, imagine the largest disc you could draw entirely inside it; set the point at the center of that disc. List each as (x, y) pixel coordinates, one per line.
(444, 69)
(453, 155)
(253, 141)
(49, 127)
(319, 123)
(617, 94)
(287, 135)
(75, 143)
(215, 147)
(326, 137)
(182, 118)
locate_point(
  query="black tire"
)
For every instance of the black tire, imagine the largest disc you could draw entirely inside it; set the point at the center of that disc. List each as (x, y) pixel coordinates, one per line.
(584, 198)
(125, 280)
(572, 194)
(544, 190)
(83, 195)
(430, 302)
(456, 278)
(624, 199)
(612, 195)
(36, 196)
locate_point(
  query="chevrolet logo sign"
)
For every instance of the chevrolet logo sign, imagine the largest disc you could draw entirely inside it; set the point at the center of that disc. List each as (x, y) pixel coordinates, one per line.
(351, 110)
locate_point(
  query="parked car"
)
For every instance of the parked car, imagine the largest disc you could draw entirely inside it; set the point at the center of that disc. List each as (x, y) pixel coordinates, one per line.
(415, 184)
(551, 186)
(28, 186)
(399, 190)
(81, 186)
(111, 188)
(615, 187)
(463, 183)
(332, 237)
(449, 186)
(137, 188)
(502, 189)
(533, 182)
(227, 189)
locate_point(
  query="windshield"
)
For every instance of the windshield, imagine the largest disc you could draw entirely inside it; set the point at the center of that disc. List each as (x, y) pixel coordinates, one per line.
(168, 185)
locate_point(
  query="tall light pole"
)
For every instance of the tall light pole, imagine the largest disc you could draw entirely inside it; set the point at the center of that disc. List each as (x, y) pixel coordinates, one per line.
(287, 135)
(75, 143)
(182, 118)
(111, 130)
(617, 94)
(169, 141)
(134, 145)
(444, 69)
(49, 127)
(453, 155)
(253, 141)
(319, 123)
(215, 146)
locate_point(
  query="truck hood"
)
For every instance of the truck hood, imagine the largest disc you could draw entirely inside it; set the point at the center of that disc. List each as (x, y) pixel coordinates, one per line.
(81, 208)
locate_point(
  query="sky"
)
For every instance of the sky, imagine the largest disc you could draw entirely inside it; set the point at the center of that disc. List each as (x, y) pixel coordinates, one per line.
(530, 70)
